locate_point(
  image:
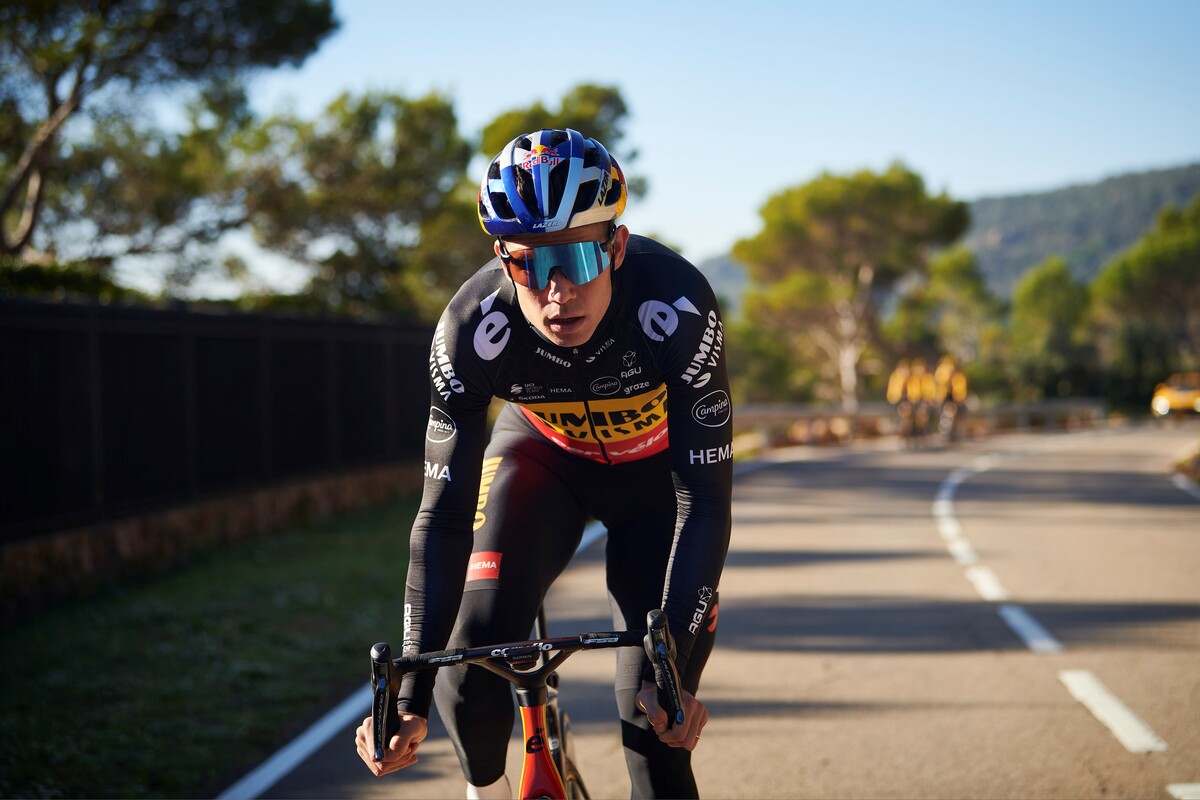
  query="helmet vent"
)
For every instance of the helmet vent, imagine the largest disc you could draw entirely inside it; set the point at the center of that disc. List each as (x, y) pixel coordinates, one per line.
(502, 206)
(586, 197)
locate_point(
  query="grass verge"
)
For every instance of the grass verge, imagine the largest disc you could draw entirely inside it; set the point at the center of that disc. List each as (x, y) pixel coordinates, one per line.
(178, 685)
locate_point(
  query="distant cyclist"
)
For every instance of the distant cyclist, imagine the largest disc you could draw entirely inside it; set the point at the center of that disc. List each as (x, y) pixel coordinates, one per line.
(950, 395)
(609, 349)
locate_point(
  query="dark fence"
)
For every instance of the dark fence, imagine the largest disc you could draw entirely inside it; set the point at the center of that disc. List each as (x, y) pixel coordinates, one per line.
(107, 412)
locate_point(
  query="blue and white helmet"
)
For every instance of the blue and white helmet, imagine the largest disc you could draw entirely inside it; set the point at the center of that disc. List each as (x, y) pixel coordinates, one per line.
(550, 180)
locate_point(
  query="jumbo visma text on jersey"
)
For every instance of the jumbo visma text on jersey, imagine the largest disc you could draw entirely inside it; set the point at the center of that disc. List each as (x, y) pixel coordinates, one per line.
(613, 430)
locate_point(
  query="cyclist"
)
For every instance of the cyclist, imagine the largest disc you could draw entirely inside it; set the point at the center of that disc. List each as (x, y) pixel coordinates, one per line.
(608, 348)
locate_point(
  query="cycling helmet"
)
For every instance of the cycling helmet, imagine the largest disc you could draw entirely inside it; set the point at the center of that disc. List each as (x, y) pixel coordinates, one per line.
(550, 180)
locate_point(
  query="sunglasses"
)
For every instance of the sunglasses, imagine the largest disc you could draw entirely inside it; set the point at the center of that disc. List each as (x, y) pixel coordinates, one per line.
(580, 262)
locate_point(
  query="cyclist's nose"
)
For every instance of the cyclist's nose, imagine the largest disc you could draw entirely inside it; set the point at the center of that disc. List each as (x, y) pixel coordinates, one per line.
(558, 287)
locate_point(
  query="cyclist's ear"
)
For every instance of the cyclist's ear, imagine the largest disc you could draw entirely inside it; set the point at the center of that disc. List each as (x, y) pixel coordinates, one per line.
(618, 246)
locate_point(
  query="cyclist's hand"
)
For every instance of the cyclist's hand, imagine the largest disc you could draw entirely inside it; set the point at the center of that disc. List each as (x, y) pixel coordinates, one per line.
(402, 749)
(695, 717)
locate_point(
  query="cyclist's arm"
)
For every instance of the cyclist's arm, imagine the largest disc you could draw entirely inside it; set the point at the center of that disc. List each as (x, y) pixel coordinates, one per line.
(441, 539)
(701, 435)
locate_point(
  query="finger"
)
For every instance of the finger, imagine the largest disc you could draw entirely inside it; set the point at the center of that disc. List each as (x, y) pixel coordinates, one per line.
(655, 715)
(699, 720)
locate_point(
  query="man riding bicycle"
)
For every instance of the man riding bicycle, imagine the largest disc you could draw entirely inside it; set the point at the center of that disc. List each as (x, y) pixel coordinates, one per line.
(592, 335)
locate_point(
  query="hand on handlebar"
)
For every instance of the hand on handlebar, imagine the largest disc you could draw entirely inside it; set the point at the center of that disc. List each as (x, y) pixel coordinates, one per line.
(694, 712)
(402, 749)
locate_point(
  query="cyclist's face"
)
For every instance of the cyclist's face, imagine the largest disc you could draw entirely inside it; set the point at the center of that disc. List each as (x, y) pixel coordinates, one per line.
(565, 313)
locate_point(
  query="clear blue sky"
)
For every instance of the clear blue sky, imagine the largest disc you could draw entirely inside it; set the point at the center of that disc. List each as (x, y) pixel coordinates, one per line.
(733, 101)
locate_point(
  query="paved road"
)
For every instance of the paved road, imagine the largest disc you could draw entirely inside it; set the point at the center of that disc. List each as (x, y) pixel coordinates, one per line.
(910, 624)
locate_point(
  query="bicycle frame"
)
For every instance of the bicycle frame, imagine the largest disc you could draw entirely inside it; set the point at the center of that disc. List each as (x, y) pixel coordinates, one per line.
(530, 666)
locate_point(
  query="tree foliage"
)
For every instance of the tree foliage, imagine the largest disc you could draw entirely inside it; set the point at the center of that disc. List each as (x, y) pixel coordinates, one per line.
(59, 58)
(1051, 352)
(371, 196)
(830, 249)
(1148, 302)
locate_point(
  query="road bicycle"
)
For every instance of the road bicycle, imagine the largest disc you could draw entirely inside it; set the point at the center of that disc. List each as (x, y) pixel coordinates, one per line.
(548, 769)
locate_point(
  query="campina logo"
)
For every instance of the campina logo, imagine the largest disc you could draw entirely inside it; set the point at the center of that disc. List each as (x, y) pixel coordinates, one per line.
(606, 386)
(713, 410)
(441, 427)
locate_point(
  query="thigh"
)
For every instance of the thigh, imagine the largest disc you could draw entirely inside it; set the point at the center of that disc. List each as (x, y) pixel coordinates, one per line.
(528, 522)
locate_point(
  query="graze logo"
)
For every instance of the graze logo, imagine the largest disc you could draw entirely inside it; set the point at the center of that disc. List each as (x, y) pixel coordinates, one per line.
(437, 471)
(441, 371)
(490, 465)
(709, 353)
(606, 386)
(484, 566)
(493, 332)
(600, 350)
(659, 320)
(701, 607)
(441, 427)
(713, 410)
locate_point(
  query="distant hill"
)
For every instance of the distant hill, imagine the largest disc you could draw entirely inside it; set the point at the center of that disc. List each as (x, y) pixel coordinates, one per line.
(1086, 224)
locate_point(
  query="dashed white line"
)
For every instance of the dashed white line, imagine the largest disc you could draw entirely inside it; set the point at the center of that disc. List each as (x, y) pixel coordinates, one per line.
(963, 552)
(1188, 485)
(1036, 638)
(1135, 735)
(987, 584)
(1184, 791)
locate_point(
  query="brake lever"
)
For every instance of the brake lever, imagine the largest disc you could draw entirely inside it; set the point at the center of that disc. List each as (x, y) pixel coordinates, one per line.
(385, 687)
(660, 649)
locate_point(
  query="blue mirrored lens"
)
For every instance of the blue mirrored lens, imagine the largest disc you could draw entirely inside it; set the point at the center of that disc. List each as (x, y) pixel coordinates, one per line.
(580, 262)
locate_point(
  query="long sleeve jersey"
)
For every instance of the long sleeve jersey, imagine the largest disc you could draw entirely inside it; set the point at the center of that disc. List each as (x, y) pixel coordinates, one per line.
(659, 347)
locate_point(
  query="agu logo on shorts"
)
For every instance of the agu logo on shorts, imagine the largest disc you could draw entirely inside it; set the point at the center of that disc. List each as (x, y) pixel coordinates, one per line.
(484, 566)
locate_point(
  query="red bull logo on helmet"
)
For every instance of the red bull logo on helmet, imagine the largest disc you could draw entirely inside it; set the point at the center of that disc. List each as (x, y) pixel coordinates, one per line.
(541, 155)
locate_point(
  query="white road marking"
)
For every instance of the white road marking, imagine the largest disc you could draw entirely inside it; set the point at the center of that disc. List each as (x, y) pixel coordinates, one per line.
(987, 584)
(1188, 485)
(353, 709)
(1135, 735)
(963, 552)
(1184, 791)
(1036, 638)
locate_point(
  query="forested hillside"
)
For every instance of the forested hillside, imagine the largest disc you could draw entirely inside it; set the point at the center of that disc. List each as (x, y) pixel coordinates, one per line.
(1086, 224)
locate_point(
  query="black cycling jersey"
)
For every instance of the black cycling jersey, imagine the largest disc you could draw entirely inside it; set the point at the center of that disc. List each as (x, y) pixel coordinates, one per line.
(659, 345)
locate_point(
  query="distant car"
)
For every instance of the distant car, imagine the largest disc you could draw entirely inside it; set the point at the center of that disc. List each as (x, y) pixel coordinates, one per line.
(1180, 393)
